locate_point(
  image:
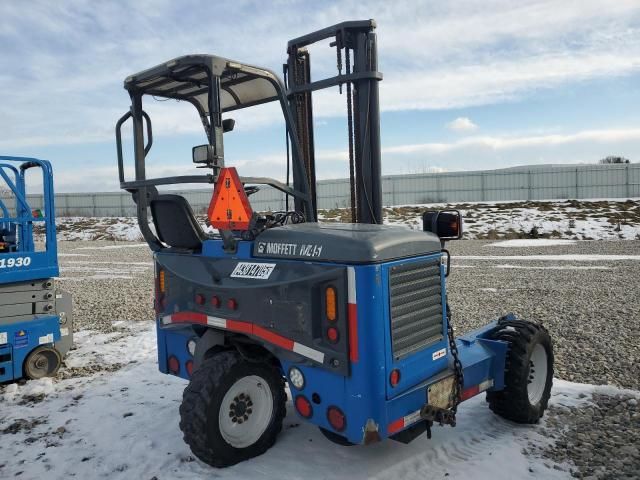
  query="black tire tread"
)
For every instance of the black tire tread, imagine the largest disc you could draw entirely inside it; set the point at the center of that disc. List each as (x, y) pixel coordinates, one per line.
(205, 383)
(513, 402)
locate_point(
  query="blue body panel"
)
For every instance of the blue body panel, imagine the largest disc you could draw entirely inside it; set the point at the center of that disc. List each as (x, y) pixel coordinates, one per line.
(365, 395)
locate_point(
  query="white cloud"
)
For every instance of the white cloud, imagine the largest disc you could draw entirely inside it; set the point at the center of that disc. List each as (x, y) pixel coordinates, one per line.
(462, 124)
(63, 81)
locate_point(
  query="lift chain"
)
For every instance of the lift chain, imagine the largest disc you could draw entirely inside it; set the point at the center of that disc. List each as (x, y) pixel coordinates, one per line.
(352, 178)
(457, 367)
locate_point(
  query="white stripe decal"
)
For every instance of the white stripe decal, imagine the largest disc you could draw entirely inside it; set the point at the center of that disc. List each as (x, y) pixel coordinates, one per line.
(308, 352)
(351, 281)
(486, 385)
(411, 418)
(216, 322)
(297, 347)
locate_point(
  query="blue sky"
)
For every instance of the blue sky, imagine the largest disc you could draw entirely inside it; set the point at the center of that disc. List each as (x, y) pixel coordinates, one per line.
(467, 85)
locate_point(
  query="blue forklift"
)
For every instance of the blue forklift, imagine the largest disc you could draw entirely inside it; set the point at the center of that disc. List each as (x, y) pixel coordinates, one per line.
(352, 317)
(36, 324)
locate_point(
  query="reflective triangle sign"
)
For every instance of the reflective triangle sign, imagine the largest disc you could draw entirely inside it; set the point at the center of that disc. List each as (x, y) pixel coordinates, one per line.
(229, 208)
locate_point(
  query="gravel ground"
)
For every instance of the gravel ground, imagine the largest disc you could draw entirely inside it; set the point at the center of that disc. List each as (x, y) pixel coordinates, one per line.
(591, 308)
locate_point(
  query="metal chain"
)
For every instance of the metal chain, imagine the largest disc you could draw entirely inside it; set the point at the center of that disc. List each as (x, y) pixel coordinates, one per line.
(457, 367)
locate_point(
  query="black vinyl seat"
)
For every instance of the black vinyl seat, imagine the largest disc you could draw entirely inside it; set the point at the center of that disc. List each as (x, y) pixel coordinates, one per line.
(175, 223)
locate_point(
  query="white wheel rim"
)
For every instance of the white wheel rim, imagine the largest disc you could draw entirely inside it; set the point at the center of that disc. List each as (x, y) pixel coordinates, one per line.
(537, 380)
(245, 411)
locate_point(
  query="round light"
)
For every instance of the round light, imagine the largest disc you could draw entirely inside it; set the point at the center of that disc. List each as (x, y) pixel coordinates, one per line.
(189, 367)
(174, 365)
(232, 304)
(200, 299)
(296, 378)
(215, 301)
(191, 346)
(303, 406)
(332, 334)
(336, 419)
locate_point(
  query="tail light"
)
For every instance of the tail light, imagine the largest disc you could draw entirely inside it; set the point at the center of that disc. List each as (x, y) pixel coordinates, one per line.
(333, 335)
(394, 378)
(330, 304)
(174, 365)
(303, 406)
(215, 301)
(189, 367)
(336, 418)
(200, 300)
(232, 304)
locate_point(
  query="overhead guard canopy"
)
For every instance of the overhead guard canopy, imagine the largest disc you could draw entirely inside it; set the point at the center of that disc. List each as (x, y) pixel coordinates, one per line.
(186, 78)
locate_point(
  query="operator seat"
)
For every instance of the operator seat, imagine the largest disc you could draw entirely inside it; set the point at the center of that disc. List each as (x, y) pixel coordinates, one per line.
(176, 224)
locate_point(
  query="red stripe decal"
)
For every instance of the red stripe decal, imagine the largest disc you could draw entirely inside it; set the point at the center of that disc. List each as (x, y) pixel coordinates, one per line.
(274, 338)
(243, 327)
(396, 426)
(353, 332)
(470, 392)
(189, 317)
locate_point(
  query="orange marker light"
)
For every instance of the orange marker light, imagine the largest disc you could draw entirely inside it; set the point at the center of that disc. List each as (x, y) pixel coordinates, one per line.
(161, 282)
(330, 300)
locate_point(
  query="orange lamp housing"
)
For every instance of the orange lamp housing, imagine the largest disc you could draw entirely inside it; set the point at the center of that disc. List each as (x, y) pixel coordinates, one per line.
(229, 208)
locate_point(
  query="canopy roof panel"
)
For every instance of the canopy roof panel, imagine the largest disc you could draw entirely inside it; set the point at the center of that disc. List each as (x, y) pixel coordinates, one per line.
(187, 78)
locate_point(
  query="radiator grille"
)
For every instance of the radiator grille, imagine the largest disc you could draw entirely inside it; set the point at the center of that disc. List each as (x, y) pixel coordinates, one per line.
(416, 307)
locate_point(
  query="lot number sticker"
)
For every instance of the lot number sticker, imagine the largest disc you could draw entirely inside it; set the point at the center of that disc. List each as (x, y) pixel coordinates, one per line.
(3, 338)
(260, 271)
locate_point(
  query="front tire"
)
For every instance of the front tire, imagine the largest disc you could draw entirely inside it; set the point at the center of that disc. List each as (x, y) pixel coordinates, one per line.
(528, 371)
(232, 409)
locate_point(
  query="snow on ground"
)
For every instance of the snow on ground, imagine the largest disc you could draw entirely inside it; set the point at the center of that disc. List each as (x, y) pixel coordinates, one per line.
(124, 425)
(571, 219)
(531, 242)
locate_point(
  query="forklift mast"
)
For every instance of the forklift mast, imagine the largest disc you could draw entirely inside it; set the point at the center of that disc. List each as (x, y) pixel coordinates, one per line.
(355, 42)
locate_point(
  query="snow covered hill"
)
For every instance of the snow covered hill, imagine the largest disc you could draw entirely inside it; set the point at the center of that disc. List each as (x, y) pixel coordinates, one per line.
(571, 219)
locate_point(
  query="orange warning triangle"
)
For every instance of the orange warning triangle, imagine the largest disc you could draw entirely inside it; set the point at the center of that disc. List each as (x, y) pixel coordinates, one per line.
(229, 208)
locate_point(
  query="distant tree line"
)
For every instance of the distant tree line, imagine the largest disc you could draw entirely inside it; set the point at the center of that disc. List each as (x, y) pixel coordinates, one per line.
(613, 159)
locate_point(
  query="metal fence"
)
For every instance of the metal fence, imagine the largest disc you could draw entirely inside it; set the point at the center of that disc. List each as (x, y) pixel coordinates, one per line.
(523, 183)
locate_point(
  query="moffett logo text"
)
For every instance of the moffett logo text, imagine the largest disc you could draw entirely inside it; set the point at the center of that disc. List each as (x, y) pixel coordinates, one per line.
(260, 271)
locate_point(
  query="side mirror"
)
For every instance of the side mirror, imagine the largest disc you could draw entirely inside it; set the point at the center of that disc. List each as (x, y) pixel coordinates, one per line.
(228, 125)
(446, 224)
(204, 154)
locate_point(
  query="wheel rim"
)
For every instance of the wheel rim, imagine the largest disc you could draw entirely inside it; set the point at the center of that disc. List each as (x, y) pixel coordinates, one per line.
(42, 363)
(537, 381)
(245, 411)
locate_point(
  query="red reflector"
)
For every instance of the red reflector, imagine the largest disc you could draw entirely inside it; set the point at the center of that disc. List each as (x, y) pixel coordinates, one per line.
(189, 367)
(200, 299)
(215, 301)
(336, 419)
(332, 334)
(470, 392)
(232, 304)
(394, 378)
(229, 208)
(303, 406)
(174, 365)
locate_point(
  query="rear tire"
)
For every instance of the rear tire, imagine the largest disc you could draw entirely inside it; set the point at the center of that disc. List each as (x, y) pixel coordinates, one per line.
(232, 409)
(528, 371)
(42, 362)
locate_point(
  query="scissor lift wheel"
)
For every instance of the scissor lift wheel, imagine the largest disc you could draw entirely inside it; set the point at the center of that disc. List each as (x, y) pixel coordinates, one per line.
(42, 362)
